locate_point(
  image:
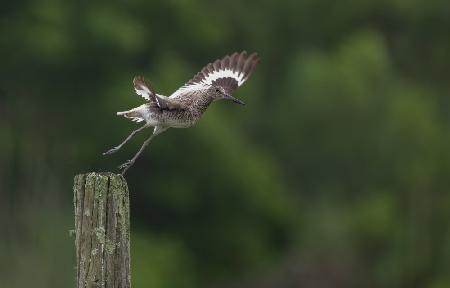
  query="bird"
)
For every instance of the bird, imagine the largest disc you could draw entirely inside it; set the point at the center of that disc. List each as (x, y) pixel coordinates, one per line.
(184, 107)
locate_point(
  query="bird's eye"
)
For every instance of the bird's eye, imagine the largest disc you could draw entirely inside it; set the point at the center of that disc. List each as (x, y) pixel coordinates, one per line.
(217, 90)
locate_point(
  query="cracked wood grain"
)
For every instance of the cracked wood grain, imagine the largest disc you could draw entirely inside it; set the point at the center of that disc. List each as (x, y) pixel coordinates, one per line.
(102, 230)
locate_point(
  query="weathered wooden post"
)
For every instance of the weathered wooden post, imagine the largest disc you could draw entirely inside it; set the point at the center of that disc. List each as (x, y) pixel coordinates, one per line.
(102, 230)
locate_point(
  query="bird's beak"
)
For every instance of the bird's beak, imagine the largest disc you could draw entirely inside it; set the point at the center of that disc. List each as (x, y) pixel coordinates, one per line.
(235, 100)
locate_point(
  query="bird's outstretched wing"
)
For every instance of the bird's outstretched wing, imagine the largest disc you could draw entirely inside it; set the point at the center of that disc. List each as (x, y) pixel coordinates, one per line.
(229, 72)
(143, 89)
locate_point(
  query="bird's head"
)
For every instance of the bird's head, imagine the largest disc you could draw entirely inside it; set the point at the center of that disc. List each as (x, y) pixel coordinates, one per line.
(219, 93)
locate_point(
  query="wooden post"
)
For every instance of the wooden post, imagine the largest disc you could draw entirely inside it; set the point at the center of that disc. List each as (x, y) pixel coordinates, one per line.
(102, 230)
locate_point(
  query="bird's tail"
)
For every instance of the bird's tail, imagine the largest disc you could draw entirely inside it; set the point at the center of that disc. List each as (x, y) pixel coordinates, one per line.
(133, 114)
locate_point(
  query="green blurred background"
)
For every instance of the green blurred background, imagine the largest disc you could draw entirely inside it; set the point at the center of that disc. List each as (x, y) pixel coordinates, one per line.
(335, 173)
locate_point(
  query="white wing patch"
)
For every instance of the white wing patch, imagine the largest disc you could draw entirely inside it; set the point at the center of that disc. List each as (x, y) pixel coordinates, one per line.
(211, 77)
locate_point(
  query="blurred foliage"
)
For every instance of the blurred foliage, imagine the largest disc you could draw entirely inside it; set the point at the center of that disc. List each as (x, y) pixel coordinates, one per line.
(334, 175)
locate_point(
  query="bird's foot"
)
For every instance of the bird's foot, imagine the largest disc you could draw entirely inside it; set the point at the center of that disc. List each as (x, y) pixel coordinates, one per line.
(112, 150)
(126, 165)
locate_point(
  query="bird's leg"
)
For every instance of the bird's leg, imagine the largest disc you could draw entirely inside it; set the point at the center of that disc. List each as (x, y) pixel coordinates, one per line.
(115, 149)
(125, 166)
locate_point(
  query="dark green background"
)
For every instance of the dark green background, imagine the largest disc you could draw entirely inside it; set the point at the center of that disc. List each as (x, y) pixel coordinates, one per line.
(335, 173)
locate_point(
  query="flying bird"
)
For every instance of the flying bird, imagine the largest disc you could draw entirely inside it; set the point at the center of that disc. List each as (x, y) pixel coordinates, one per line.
(182, 109)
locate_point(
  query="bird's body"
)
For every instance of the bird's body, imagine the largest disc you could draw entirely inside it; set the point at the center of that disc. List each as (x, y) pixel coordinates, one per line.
(185, 106)
(196, 104)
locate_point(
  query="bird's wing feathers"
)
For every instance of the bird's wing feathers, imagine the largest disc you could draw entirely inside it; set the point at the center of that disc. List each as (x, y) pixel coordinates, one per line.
(143, 89)
(229, 73)
(169, 103)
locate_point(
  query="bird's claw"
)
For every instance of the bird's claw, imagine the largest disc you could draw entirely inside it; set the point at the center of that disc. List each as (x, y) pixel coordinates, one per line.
(126, 165)
(111, 151)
